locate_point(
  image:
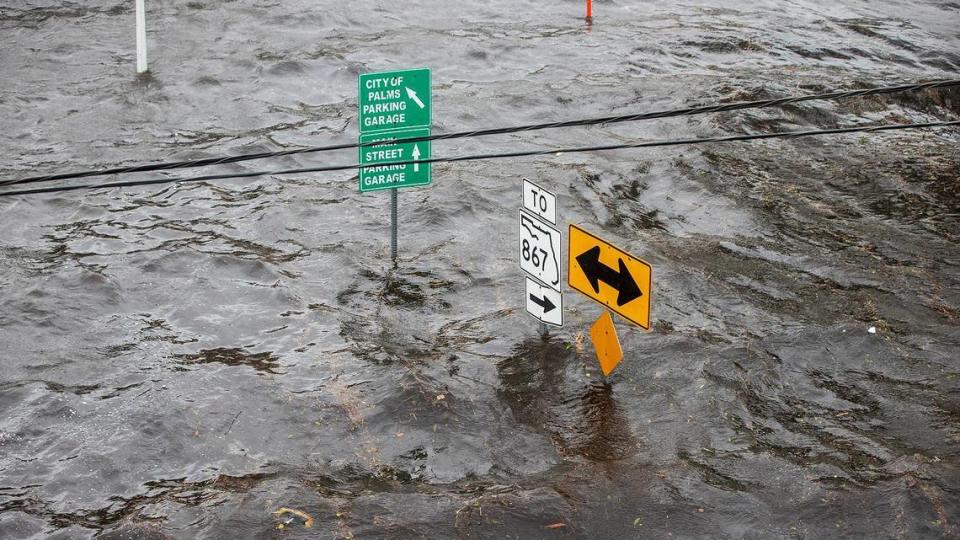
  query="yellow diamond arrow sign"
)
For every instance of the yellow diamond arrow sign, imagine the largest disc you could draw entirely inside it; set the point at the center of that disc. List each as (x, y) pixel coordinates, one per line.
(606, 343)
(610, 276)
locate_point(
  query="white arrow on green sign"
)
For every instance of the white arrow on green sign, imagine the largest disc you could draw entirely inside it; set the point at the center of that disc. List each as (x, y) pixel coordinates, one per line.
(392, 151)
(394, 100)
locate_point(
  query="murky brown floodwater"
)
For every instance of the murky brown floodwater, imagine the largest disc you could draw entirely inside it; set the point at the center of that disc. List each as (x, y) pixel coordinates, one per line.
(182, 361)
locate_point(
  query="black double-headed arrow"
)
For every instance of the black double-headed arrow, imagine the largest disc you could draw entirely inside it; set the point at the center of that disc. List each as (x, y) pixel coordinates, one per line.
(546, 304)
(596, 272)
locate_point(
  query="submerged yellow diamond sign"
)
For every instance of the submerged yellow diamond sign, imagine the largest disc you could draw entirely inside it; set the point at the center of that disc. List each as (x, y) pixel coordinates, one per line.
(610, 276)
(606, 343)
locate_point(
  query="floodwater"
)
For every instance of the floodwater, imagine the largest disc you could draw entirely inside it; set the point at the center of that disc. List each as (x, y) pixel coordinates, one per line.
(183, 361)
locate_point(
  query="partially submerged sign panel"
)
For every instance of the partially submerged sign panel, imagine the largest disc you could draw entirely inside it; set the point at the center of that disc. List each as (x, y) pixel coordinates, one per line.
(394, 150)
(544, 303)
(606, 343)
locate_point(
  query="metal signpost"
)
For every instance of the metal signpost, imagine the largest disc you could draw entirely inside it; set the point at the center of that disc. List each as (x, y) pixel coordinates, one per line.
(394, 105)
(141, 24)
(539, 255)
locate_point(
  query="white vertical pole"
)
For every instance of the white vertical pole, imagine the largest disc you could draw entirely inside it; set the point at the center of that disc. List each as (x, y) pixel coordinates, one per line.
(141, 38)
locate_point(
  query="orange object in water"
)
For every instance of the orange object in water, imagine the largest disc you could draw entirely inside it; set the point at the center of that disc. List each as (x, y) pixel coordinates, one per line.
(589, 9)
(606, 343)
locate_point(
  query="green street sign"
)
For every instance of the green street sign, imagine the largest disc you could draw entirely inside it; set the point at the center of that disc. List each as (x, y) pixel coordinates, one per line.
(394, 176)
(394, 100)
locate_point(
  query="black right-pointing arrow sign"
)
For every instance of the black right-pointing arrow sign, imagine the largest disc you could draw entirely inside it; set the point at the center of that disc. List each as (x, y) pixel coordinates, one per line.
(545, 303)
(596, 272)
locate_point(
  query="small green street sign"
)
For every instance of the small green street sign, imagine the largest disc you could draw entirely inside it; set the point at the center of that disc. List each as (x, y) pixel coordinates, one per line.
(394, 176)
(394, 100)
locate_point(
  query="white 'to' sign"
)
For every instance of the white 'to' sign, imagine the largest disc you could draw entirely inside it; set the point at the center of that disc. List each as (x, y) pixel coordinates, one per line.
(539, 201)
(540, 250)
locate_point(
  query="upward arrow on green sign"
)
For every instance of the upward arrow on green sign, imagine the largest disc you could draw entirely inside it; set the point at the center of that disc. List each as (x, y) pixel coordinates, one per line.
(394, 100)
(377, 173)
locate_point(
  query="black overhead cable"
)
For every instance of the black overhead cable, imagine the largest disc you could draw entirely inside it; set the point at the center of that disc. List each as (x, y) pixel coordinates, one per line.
(689, 111)
(524, 153)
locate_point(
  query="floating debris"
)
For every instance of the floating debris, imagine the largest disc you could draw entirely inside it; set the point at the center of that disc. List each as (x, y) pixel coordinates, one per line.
(307, 519)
